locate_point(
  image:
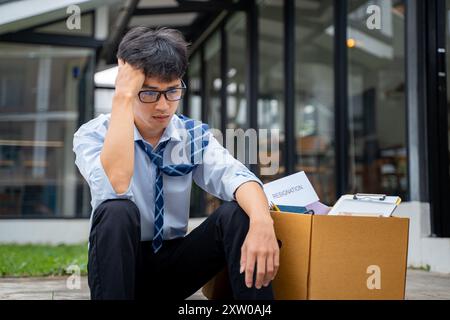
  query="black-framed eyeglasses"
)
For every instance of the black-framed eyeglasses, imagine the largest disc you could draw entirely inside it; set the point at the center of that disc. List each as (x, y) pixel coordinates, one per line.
(172, 94)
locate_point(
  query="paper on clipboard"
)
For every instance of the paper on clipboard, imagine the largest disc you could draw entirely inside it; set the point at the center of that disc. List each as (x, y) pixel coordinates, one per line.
(347, 205)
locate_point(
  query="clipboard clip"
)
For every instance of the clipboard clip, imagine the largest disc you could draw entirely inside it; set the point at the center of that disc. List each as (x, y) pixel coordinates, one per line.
(367, 196)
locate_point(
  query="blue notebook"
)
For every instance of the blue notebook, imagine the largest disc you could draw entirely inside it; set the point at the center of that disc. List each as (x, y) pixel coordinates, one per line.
(294, 209)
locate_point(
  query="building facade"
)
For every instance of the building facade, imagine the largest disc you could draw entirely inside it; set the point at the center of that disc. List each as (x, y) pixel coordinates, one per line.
(357, 90)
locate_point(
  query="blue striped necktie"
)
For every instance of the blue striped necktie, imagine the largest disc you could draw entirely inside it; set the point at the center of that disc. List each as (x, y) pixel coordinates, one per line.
(196, 131)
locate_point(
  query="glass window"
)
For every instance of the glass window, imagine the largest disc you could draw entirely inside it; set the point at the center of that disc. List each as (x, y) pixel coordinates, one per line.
(195, 99)
(314, 95)
(271, 76)
(41, 91)
(213, 80)
(448, 83)
(213, 87)
(197, 208)
(376, 53)
(236, 73)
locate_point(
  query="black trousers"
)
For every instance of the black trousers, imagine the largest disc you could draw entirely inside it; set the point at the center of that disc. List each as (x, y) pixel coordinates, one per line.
(121, 266)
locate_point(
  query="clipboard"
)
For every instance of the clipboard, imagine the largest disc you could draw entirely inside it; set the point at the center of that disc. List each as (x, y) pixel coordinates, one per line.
(363, 204)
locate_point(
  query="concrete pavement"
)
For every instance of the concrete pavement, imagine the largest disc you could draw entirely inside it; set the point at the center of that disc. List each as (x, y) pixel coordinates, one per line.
(420, 285)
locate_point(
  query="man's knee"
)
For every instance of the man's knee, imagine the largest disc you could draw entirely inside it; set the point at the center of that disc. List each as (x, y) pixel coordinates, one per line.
(117, 215)
(233, 213)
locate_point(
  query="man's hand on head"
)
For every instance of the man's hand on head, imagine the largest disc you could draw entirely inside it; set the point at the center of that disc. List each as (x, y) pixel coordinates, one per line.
(117, 155)
(129, 80)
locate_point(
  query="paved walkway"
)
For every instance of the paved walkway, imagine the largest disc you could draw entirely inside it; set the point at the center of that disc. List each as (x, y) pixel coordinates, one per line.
(49, 288)
(420, 285)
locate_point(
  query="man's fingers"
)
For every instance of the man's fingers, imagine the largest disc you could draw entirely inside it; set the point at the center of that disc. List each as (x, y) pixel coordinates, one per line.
(269, 271)
(276, 263)
(249, 269)
(260, 270)
(243, 259)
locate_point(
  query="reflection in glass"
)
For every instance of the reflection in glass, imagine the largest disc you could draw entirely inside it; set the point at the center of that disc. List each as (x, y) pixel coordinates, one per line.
(41, 91)
(213, 87)
(271, 77)
(314, 110)
(236, 73)
(197, 208)
(377, 99)
(213, 81)
(195, 99)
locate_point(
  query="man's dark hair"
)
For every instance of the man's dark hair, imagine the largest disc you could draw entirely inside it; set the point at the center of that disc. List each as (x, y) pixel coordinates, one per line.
(160, 53)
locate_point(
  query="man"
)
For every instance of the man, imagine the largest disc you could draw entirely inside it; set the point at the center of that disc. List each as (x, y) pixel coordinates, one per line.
(138, 247)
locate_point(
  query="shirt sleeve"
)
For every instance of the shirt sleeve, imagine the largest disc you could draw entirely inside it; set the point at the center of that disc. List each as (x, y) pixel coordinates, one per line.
(87, 145)
(220, 173)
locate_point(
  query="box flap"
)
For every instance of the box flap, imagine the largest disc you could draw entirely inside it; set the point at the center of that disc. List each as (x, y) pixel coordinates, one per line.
(293, 231)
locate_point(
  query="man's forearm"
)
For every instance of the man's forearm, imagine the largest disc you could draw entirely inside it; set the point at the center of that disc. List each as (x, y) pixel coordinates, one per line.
(251, 198)
(260, 254)
(117, 155)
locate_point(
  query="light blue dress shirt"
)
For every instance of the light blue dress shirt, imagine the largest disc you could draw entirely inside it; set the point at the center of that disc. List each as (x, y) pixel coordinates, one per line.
(220, 178)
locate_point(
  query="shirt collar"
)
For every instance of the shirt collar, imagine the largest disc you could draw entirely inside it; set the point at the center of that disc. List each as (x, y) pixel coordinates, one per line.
(170, 132)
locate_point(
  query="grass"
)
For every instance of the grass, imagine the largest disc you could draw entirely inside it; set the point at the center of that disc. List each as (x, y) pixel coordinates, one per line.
(422, 268)
(31, 260)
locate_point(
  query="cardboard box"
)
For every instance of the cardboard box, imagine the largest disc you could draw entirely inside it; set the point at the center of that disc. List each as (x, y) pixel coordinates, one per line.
(335, 257)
